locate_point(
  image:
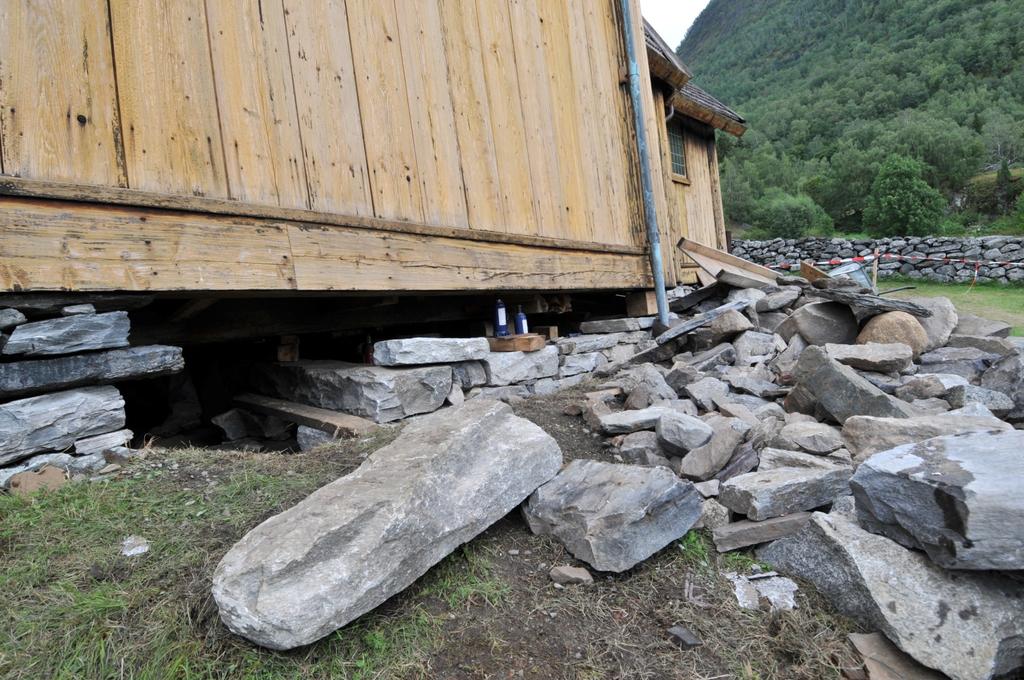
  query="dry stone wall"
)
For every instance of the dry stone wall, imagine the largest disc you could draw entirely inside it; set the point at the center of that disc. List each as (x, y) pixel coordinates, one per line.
(1002, 257)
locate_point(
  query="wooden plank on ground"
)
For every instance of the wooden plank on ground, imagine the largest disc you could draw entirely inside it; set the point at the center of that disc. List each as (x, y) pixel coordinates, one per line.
(59, 118)
(810, 272)
(172, 138)
(334, 423)
(321, 65)
(256, 101)
(873, 304)
(527, 342)
(716, 261)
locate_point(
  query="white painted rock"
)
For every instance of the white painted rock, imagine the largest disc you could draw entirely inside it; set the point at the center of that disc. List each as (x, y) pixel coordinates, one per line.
(354, 543)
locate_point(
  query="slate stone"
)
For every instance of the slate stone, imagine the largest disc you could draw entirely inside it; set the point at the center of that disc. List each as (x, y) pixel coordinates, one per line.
(890, 357)
(785, 490)
(682, 374)
(72, 464)
(1007, 377)
(418, 351)
(613, 516)
(929, 385)
(575, 364)
(69, 334)
(309, 438)
(18, 378)
(100, 443)
(728, 325)
(643, 376)
(580, 344)
(624, 422)
(704, 462)
(10, 318)
(778, 300)
(704, 391)
(867, 435)
(898, 327)
(967, 362)
(469, 374)
(712, 515)
(356, 542)
(842, 393)
(746, 533)
(1003, 347)
(956, 497)
(754, 347)
(784, 364)
(961, 395)
(967, 625)
(617, 325)
(757, 387)
(820, 323)
(52, 422)
(506, 368)
(812, 437)
(971, 324)
(720, 355)
(379, 393)
(84, 308)
(939, 326)
(566, 575)
(642, 448)
(743, 460)
(678, 433)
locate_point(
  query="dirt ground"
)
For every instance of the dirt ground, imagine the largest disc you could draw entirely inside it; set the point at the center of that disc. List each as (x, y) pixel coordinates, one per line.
(72, 607)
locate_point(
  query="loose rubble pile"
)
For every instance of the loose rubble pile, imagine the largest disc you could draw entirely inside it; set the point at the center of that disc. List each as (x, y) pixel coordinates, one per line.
(58, 410)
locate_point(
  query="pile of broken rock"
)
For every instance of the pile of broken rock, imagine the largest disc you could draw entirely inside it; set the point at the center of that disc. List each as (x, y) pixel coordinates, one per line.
(872, 453)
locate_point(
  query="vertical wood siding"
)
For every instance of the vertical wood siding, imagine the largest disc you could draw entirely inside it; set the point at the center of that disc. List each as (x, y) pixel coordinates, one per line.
(495, 115)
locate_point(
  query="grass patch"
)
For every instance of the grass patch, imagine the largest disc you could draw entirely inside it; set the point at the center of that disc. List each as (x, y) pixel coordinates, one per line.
(990, 300)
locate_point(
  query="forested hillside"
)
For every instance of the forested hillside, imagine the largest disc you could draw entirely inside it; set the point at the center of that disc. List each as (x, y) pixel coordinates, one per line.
(862, 111)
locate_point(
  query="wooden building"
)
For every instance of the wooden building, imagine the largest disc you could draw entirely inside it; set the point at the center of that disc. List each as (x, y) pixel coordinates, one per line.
(267, 147)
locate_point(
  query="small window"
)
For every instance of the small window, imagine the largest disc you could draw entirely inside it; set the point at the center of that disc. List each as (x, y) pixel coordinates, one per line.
(675, 143)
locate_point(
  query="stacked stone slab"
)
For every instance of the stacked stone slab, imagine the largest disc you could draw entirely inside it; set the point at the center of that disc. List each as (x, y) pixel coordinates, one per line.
(994, 249)
(57, 404)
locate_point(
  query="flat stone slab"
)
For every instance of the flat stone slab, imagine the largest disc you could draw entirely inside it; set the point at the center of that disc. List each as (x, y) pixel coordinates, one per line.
(820, 323)
(812, 437)
(576, 364)
(785, 490)
(505, 368)
(841, 392)
(20, 378)
(617, 325)
(967, 625)
(624, 422)
(379, 393)
(52, 422)
(746, 533)
(354, 543)
(10, 318)
(418, 351)
(970, 324)
(613, 516)
(69, 334)
(866, 435)
(890, 357)
(957, 497)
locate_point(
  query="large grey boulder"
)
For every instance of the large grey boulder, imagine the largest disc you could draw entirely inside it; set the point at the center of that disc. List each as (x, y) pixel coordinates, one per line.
(679, 433)
(704, 462)
(957, 497)
(889, 357)
(354, 543)
(613, 516)
(939, 326)
(841, 392)
(775, 491)
(867, 435)
(19, 378)
(812, 437)
(376, 392)
(967, 362)
(705, 391)
(728, 325)
(642, 448)
(970, 324)
(969, 626)
(1004, 347)
(417, 351)
(505, 368)
(69, 334)
(820, 323)
(754, 347)
(52, 422)
(10, 317)
(1007, 377)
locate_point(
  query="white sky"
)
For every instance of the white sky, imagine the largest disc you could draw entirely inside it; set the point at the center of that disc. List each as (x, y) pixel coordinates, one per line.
(671, 18)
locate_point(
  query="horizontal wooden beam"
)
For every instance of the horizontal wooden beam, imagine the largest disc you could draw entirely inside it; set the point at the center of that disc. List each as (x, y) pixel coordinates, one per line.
(68, 246)
(334, 423)
(118, 196)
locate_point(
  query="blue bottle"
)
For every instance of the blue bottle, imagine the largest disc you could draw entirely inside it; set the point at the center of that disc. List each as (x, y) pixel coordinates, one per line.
(500, 320)
(522, 327)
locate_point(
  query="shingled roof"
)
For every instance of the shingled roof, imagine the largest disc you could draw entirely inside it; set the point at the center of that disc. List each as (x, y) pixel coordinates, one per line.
(662, 61)
(696, 103)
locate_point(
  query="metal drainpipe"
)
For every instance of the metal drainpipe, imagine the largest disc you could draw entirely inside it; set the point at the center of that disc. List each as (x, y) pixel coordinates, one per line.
(646, 182)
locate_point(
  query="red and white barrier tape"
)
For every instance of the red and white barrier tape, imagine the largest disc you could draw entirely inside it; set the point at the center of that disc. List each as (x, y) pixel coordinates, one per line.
(899, 258)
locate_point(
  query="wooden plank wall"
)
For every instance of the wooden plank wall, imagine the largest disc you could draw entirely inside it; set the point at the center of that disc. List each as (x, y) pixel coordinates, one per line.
(490, 115)
(701, 196)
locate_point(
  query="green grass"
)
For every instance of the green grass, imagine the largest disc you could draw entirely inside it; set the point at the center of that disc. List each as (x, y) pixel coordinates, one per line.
(992, 301)
(72, 607)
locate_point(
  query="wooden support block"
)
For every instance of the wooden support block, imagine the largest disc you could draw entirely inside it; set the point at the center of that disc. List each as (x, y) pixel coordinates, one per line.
(288, 348)
(528, 342)
(641, 303)
(810, 272)
(334, 423)
(549, 332)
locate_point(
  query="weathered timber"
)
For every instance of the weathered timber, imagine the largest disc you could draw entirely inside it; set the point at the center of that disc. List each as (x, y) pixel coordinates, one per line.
(52, 422)
(69, 334)
(529, 342)
(691, 300)
(698, 321)
(20, 378)
(334, 423)
(871, 304)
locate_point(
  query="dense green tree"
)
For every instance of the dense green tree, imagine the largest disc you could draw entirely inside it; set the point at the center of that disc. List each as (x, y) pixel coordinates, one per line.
(1003, 189)
(782, 215)
(901, 203)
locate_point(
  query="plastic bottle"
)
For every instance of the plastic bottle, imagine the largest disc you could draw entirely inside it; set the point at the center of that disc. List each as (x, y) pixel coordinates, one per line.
(500, 320)
(522, 327)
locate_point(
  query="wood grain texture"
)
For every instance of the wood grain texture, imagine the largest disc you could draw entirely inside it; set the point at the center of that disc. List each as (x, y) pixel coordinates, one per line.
(699, 200)
(384, 108)
(472, 114)
(258, 119)
(168, 105)
(439, 167)
(58, 109)
(328, 106)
